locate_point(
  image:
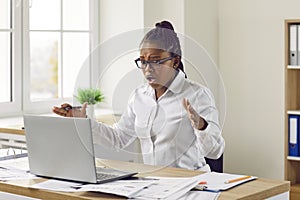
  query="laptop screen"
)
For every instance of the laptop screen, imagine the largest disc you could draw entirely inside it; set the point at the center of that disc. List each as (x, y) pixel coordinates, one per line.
(60, 147)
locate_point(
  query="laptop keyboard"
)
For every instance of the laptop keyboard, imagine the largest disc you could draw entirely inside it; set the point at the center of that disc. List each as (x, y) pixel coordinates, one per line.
(103, 176)
(108, 174)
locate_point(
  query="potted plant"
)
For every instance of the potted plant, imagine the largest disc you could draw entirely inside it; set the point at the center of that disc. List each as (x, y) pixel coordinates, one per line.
(92, 96)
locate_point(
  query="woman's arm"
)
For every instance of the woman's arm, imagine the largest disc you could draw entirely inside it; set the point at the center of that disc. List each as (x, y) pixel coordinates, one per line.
(204, 118)
(120, 135)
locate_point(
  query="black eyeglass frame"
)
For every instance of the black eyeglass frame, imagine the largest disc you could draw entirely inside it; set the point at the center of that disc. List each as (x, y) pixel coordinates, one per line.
(157, 62)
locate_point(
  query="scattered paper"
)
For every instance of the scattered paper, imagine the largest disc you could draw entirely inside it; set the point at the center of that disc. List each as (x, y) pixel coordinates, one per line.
(57, 185)
(168, 188)
(203, 195)
(14, 169)
(14, 174)
(216, 181)
(17, 163)
(127, 188)
(153, 188)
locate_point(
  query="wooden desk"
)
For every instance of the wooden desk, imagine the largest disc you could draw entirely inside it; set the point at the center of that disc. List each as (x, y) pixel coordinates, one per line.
(12, 130)
(253, 190)
(14, 135)
(17, 129)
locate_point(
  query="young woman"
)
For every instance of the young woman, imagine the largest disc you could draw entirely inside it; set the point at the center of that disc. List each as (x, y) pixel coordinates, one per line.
(175, 119)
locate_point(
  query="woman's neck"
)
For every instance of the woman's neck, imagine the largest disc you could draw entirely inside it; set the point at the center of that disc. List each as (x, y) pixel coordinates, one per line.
(159, 92)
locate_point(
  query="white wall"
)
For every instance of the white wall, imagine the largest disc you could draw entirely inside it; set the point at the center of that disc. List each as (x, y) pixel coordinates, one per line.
(252, 64)
(170, 10)
(118, 50)
(120, 16)
(117, 75)
(201, 27)
(201, 24)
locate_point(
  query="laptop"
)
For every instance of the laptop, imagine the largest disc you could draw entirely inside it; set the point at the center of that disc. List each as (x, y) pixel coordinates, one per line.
(62, 148)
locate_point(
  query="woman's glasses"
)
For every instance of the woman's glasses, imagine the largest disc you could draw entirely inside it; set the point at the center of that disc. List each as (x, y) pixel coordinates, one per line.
(142, 64)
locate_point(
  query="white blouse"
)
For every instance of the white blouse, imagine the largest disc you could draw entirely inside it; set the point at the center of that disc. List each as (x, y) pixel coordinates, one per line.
(163, 128)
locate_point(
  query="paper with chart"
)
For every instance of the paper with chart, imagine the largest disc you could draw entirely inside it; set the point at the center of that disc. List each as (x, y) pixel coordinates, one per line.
(127, 188)
(168, 188)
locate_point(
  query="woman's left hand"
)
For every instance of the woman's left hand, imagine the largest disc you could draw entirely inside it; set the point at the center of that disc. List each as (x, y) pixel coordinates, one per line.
(196, 121)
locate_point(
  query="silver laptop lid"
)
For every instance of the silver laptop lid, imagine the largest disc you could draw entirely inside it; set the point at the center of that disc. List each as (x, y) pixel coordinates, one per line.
(60, 147)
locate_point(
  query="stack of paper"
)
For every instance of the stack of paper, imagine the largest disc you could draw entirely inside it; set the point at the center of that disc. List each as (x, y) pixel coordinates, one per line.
(157, 187)
(13, 169)
(213, 181)
(148, 188)
(168, 188)
(127, 188)
(17, 163)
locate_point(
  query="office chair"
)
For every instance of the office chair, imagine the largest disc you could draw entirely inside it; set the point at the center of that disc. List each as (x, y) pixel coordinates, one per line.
(215, 165)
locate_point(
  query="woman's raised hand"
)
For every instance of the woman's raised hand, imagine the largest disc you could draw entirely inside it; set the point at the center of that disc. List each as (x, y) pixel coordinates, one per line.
(196, 120)
(67, 110)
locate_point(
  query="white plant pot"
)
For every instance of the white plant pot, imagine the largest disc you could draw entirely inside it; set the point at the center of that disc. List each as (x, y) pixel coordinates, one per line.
(90, 111)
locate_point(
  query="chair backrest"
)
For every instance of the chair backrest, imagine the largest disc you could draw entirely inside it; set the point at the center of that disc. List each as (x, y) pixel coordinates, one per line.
(215, 165)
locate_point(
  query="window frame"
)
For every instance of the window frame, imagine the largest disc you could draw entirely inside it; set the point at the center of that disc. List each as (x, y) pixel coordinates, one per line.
(14, 107)
(20, 73)
(20, 66)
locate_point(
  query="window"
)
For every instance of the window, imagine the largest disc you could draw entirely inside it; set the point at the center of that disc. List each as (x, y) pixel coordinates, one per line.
(10, 57)
(6, 31)
(57, 37)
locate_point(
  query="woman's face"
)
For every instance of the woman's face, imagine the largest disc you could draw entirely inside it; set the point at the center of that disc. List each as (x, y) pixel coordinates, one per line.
(157, 75)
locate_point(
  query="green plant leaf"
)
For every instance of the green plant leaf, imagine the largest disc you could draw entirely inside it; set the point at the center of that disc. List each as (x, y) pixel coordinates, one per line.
(89, 95)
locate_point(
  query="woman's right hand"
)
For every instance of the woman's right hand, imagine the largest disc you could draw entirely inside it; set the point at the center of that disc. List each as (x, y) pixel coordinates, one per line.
(72, 112)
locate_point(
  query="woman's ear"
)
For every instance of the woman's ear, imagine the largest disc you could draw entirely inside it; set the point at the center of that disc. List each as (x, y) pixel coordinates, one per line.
(176, 62)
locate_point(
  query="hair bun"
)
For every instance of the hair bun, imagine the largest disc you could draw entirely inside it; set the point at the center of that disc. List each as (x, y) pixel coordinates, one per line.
(164, 24)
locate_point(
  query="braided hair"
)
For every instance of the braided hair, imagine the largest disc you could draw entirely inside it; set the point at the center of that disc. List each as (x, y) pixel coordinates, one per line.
(164, 35)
